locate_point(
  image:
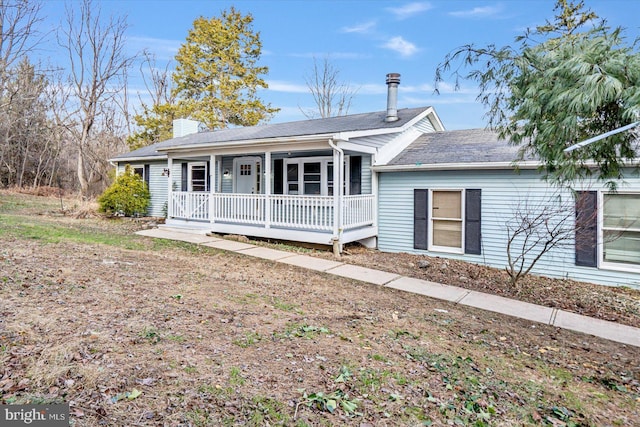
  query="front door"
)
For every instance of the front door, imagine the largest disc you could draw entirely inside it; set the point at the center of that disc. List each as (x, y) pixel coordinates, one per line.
(246, 171)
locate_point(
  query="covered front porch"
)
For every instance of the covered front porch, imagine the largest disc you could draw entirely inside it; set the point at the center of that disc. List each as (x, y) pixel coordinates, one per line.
(312, 219)
(279, 193)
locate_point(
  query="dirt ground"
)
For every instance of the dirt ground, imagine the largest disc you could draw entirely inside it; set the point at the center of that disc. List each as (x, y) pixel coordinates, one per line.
(135, 331)
(617, 304)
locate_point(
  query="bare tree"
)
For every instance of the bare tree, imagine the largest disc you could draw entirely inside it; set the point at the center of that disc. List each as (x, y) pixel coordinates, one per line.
(537, 227)
(18, 34)
(158, 83)
(97, 70)
(332, 97)
(18, 37)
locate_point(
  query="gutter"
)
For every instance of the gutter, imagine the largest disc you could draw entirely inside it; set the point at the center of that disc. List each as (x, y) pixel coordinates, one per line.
(246, 142)
(599, 137)
(137, 159)
(458, 166)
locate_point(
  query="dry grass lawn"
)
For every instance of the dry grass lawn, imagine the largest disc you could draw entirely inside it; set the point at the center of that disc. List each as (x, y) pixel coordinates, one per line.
(132, 331)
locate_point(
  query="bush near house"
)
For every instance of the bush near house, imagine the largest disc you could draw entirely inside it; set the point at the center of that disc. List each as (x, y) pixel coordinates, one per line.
(128, 195)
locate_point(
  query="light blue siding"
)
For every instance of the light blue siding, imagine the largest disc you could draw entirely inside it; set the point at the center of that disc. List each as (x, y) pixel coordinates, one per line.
(227, 180)
(366, 174)
(157, 185)
(502, 193)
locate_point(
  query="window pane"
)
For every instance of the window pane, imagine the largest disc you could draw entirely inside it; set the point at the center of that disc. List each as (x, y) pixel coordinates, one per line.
(447, 204)
(292, 172)
(312, 188)
(312, 168)
(447, 233)
(622, 210)
(622, 246)
(197, 174)
(293, 189)
(198, 178)
(139, 171)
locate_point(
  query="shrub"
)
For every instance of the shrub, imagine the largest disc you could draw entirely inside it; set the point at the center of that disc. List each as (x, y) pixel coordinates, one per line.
(128, 195)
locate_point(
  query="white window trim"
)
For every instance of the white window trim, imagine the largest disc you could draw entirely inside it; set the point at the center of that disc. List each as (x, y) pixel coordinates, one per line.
(190, 176)
(602, 264)
(445, 249)
(324, 161)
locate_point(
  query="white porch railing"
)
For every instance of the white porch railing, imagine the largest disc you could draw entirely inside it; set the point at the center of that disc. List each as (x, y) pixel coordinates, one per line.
(240, 208)
(188, 205)
(314, 213)
(307, 212)
(358, 211)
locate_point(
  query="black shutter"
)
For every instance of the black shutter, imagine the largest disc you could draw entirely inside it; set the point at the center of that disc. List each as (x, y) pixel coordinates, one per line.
(208, 177)
(420, 218)
(185, 177)
(355, 172)
(587, 228)
(146, 175)
(472, 223)
(278, 164)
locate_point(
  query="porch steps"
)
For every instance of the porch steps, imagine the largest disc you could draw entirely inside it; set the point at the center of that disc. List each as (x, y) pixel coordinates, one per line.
(561, 319)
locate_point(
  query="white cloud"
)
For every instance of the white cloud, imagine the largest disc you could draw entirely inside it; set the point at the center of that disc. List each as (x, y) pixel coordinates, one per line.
(400, 45)
(164, 49)
(409, 9)
(427, 88)
(331, 55)
(477, 12)
(284, 86)
(364, 28)
(372, 89)
(439, 100)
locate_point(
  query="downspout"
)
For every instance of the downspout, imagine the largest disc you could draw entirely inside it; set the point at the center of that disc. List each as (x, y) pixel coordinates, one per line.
(337, 197)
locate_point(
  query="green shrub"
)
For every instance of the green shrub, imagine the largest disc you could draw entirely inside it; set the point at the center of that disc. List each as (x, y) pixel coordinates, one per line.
(128, 195)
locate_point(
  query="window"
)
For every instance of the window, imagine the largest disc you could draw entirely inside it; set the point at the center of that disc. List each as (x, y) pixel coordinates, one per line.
(621, 228)
(142, 171)
(446, 219)
(312, 176)
(138, 170)
(292, 178)
(198, 177)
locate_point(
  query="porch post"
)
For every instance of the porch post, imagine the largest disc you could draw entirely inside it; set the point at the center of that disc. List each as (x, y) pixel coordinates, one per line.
(212, 187)
(338, 186)
(267, 189)
(374, 191)
(169, 186)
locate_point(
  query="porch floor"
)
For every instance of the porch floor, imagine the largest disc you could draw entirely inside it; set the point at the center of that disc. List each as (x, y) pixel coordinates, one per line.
(365, 235)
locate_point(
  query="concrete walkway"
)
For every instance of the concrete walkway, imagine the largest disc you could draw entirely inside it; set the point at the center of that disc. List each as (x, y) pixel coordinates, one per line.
(536, 313)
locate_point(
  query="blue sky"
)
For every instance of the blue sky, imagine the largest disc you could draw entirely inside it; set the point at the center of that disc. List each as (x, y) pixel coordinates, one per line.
(365, 40)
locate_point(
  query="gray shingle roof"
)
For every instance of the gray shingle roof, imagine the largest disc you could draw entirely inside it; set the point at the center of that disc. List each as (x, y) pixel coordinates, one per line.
(350, 123)
(458, 146)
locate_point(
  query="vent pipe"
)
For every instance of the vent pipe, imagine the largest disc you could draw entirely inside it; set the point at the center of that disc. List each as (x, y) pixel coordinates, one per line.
(393, 80)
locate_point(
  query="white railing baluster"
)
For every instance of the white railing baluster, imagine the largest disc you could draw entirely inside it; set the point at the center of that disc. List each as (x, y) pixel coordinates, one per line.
(288, 211)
